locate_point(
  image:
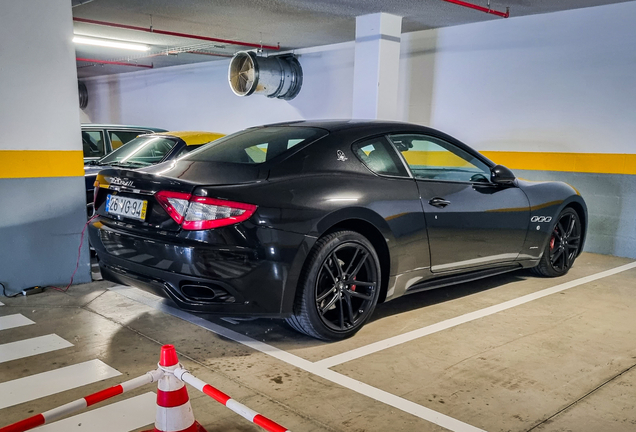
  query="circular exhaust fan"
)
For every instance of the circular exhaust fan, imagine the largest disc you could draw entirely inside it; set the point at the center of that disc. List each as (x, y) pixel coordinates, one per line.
(275, 77)
(83, 94)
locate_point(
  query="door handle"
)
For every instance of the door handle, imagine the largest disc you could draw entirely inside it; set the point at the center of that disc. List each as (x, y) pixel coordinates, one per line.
(439, 202)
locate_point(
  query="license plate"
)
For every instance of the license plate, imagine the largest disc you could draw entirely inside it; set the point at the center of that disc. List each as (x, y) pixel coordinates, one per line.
(127, 207)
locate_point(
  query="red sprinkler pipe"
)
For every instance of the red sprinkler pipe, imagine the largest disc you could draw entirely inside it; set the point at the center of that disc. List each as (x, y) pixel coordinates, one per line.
(169, 33)
(113, 62)
(505, 14)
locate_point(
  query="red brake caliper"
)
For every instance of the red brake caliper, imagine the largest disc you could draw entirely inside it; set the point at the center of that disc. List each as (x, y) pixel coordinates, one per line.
(552, 242)
(353, 287)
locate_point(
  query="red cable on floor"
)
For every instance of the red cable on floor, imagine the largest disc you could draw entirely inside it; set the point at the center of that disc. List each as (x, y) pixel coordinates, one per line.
(79, 254)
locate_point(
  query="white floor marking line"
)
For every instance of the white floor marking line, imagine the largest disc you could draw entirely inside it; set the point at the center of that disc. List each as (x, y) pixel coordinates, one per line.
(335, 377)
(1, 304)
(123, 416)
(47, 383)
(13, 321)
(452, 322)
(31, 347)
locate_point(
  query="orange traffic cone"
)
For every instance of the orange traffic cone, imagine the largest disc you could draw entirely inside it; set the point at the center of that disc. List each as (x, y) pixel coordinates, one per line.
(174, 413)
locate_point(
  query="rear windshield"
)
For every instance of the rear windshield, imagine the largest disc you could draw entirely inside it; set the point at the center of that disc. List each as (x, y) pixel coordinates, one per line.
(142, 151)
(255, 146)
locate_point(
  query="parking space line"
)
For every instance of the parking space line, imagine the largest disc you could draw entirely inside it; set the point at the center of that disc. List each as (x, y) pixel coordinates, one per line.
(47, 383)
(13, 321)
(1, 304)
(462, 319)
(122, 416)
(31, 347)
(377, 394)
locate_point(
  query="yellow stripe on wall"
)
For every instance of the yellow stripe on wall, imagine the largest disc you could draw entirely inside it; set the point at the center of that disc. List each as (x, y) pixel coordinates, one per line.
(41, 163)
(70, 163)
(601, 163)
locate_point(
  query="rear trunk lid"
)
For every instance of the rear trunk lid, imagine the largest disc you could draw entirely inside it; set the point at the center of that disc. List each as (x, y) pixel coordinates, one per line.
(208, 173)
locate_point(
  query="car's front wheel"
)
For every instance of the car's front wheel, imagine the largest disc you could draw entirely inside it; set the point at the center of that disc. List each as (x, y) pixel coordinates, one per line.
(339, 287)
(563, 245)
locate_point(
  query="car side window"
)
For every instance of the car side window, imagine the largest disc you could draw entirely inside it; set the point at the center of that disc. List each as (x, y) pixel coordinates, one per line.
(119, 138)
(378, 155)
(431, 158)
(93, 143)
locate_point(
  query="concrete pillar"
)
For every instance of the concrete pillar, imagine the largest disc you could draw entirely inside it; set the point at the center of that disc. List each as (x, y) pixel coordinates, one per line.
(377, 60)
(42, 196)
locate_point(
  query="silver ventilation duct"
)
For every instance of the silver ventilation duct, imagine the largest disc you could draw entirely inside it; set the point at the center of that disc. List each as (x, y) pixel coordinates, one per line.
(275, 77)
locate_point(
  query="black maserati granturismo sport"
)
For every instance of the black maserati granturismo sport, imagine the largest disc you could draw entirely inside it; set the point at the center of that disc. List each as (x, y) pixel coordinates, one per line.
(317, 222)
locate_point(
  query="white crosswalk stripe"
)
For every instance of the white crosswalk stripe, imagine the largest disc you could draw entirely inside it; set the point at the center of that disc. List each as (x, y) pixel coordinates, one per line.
(47, 383)
(13, 321)
(31, 347)
(124, 416)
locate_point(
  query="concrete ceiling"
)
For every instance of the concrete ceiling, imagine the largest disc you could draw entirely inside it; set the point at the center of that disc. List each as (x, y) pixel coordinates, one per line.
(290, 23)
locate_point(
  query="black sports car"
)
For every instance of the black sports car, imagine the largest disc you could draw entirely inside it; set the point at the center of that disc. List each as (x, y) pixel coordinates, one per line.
(317, 222)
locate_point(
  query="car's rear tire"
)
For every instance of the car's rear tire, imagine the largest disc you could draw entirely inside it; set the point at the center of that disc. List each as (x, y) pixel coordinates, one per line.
(563, 245)
(339, 287)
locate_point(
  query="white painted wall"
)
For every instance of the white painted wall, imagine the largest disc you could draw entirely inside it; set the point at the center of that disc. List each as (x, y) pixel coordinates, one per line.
(417, 76)
(564, 81)
(38, 76)
(554, 82)
(198, 96)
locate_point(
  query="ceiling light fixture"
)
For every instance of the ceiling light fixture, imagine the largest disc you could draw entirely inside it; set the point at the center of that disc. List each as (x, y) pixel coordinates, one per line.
(110, 43)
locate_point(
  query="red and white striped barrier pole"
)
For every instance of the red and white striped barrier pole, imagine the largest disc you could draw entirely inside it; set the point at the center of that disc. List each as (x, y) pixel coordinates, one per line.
(79, 404)
(224, 399)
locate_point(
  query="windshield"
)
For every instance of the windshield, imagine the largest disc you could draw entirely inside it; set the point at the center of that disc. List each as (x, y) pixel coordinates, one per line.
(255, 146)
(142, 151)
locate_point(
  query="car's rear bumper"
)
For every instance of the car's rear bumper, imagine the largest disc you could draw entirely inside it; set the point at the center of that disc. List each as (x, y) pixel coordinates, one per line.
(254, 273)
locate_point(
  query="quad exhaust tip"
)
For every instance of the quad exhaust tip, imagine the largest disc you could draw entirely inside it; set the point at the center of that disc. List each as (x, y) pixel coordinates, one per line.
(206, 293)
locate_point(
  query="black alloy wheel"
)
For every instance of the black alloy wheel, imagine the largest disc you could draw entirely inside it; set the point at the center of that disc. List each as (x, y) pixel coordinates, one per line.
(340, 287)
(563, 246)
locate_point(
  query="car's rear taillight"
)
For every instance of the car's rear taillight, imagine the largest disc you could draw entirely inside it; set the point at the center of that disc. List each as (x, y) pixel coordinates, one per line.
(200, 213)
(175, 203)
(95, 192)
(207, 213)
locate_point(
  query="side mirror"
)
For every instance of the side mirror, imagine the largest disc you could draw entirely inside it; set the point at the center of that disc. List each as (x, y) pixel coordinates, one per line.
(499, 174)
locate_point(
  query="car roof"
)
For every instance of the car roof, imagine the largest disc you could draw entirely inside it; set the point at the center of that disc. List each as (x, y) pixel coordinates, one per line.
(194, 137)
(118, 126)
(357, 129)
(363, 126)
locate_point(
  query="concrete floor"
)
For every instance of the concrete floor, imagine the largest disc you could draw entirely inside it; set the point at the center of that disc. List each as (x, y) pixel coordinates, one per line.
(562, 362)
